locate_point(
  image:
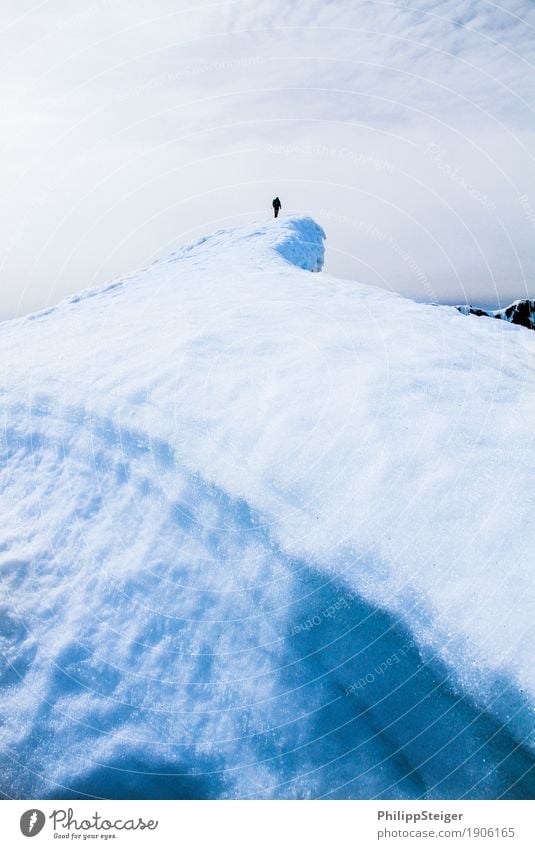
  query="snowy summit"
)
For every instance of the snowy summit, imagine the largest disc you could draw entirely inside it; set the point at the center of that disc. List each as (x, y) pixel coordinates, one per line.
(265, 533)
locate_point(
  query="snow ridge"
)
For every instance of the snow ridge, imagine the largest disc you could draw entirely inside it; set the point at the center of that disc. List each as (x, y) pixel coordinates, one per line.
(264, 533)
(298, 240)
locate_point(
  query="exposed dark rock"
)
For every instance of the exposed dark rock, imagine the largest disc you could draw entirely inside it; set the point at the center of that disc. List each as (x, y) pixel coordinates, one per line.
(519, 312)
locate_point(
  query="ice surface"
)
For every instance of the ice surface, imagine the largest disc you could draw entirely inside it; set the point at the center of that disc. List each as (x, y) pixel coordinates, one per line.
(265, 533)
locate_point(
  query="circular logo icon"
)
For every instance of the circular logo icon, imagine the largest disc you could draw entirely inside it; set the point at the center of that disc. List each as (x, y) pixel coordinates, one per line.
(31, 822)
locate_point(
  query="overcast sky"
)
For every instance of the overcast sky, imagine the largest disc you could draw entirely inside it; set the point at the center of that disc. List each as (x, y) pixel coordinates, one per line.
(405, 128)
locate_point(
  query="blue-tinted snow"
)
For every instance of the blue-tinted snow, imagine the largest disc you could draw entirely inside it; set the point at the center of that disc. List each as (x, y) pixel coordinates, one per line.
(265, 533)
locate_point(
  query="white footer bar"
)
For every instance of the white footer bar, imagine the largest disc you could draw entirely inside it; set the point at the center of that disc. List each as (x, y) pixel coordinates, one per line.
(268, 825)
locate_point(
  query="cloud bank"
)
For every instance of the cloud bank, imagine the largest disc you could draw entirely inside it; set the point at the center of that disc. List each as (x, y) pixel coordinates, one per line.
(405, 129)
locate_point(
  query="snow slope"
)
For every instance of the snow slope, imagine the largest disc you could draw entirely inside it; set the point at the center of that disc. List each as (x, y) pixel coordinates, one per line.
(519, 312)
(265, 533)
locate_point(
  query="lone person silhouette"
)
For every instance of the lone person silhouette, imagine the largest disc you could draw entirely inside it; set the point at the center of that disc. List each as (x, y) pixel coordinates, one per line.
(276, 206)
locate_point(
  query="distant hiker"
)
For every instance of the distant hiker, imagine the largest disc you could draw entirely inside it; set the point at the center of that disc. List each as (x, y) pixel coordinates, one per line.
(276, 206)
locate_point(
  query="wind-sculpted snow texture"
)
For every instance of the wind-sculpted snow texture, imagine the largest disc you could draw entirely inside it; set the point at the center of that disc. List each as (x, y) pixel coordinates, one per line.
(265, 533)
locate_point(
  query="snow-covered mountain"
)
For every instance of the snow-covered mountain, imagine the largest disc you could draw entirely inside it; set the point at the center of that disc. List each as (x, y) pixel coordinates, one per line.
(265, 533)
(519, 312)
